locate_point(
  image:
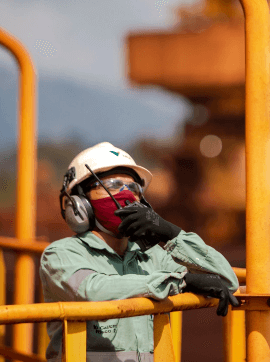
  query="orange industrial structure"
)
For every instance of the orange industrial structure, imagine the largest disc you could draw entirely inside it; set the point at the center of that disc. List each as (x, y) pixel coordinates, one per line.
(74, 315)
(178, 61)
(202, 57)
(209, 41)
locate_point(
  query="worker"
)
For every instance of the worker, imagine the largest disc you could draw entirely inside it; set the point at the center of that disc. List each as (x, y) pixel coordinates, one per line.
(114, 254)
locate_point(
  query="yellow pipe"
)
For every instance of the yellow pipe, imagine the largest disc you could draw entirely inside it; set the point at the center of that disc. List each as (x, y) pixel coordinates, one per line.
(43, 312)
(176, 326)
(26, 182)
(163, 344)
(43, 338)
(238, 335)
(257, 173)
(2, 297)
(74, 341)
(239, 272)
(234, 334)
(227, 337)
(30, 246)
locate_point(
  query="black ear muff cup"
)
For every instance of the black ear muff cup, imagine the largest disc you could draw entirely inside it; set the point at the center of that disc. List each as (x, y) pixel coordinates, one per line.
(85, 220)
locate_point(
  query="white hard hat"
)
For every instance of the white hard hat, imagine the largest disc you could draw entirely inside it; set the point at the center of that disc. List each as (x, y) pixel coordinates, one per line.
(103, 157)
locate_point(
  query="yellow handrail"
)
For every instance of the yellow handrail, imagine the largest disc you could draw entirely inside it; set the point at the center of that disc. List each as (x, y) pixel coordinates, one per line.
(37, 247)
(44, 312)
(26, 181)
(74, 315)
(258, 196)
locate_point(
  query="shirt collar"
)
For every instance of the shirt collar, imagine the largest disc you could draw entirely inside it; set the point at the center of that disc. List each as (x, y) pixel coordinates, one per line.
(95, 242)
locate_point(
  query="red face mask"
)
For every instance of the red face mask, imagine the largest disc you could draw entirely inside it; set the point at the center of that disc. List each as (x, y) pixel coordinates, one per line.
(104, 210)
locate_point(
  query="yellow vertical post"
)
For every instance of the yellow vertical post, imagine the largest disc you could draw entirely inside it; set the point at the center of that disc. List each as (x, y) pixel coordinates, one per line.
(176, 327)
(163, 344)
(26, 184)
(74, 341)
(43, 338)
(257, 174)
(2, 298)
(234, 336)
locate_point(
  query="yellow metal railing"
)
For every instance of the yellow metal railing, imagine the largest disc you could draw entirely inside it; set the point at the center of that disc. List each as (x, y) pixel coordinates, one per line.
(258, 226)
(233, 324)
(32, 248)
(75, 314)
(26, 182)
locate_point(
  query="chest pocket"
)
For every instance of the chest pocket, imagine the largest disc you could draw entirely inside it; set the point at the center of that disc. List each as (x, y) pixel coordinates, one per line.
(100, 335)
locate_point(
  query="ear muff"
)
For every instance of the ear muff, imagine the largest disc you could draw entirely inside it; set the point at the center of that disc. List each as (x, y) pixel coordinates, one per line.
(83, 221)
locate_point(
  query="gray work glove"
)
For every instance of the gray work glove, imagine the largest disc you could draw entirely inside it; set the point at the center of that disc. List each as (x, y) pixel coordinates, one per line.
(211, 285)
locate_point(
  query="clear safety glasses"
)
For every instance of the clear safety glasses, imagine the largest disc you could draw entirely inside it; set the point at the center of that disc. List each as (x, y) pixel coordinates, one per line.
(116, 184)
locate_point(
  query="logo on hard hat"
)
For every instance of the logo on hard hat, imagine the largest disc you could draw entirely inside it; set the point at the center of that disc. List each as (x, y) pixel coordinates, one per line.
(115, 153)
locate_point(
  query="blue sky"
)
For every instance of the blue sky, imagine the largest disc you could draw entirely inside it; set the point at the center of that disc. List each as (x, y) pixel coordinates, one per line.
(82, 43)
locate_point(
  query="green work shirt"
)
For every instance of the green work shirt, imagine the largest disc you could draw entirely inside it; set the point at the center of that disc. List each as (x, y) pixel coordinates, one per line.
(84, 268)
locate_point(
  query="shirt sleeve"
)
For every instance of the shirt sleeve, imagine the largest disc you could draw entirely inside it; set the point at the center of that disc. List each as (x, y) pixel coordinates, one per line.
(189, 249)
(68, 276)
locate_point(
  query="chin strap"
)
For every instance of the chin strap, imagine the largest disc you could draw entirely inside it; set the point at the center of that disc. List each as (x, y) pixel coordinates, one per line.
(102, 228)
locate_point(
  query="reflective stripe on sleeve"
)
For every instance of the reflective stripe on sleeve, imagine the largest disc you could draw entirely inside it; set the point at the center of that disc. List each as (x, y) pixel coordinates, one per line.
(76, 279)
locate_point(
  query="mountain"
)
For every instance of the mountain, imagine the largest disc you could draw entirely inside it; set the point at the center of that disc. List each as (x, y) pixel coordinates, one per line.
(93, 112)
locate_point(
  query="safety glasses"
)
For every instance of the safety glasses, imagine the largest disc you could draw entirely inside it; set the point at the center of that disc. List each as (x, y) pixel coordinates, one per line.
(116, 184)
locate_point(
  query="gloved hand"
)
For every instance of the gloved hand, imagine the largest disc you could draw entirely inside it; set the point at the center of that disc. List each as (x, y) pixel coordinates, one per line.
(140, 221)
(212, 286)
